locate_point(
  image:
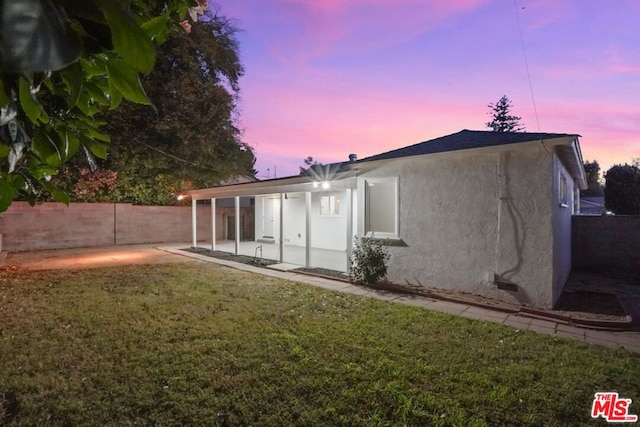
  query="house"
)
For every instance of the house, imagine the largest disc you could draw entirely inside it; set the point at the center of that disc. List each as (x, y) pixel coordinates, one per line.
(480, 212)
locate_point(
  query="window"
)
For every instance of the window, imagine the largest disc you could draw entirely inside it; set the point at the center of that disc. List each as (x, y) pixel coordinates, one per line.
(329, 206)
(562, 191)
(381, 208)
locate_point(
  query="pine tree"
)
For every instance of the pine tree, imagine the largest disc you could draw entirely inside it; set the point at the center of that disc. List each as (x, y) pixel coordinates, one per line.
(501, 120)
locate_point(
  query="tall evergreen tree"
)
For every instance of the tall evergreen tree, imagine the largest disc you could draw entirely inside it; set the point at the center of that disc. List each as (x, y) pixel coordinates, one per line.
(501, 119)
(592, 171)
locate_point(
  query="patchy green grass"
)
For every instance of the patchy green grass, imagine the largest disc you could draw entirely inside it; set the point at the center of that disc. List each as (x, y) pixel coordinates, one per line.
(199, 344)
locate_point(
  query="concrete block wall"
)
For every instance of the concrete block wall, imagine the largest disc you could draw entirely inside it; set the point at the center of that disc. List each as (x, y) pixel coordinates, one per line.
(607, 244)
(57, 226)
(149, 224)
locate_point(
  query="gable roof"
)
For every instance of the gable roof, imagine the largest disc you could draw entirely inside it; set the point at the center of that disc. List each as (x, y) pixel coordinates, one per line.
(464, 140)
(345, 172)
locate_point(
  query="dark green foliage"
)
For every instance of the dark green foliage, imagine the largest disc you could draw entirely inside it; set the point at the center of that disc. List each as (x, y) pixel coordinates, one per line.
(622, 190)
(188, 138)
(501, 119)
(592, 170)
(368, 261)
(63, 63)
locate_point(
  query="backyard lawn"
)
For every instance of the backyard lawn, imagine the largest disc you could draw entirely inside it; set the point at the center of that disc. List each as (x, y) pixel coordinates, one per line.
(201, 344)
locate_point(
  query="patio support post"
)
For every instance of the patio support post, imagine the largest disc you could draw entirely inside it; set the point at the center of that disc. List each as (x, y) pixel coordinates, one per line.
(237, 225)
(349, 214)
(281, 227)
(307, 217)
(194, 223)
(213, 224)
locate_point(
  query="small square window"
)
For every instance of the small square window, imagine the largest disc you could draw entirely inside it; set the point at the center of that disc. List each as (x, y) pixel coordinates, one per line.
(329, 206)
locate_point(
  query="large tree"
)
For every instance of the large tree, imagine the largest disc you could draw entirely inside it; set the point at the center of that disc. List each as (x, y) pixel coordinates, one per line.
(501, 118)
(188, 138)
(592, 171)
(622, 190)
(62, 63)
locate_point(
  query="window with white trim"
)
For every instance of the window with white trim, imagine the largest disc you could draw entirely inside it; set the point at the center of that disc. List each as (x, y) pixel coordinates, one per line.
(381, 208)
(563, 196)
(329, 205)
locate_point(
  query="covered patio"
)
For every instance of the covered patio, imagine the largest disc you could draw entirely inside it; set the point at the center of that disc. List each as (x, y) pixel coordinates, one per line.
(301, 220)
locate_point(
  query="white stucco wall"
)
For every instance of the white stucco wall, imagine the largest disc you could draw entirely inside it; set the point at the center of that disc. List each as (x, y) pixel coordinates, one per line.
(259, 215)
(467, 217)
(329, 232)
(294, 220)
(561, 228)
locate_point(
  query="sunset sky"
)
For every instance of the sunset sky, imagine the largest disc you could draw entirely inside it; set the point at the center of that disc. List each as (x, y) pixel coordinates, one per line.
(326, 78)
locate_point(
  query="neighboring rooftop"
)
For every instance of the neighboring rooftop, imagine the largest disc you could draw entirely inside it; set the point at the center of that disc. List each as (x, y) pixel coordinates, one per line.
(464, 140)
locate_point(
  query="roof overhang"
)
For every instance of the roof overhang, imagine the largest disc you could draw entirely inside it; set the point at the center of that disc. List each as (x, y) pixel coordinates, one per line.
(567, 149)
(293, 184)
(571, 157)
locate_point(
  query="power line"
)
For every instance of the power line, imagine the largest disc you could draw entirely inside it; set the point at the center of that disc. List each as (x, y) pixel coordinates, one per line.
(179, 158)
(526, 64)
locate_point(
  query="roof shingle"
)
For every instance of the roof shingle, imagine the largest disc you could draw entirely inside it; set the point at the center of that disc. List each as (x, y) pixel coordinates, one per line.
(464, 140)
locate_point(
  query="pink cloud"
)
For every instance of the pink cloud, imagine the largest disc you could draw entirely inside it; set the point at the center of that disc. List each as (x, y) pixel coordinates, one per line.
(320, 80)
(316, 28)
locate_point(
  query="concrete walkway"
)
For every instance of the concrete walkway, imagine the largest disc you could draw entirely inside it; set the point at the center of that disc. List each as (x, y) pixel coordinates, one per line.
(169, 253)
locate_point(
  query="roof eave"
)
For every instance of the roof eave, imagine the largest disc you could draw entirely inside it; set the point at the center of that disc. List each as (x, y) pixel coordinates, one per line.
(560, 140)
(571, 156)
(292, 184)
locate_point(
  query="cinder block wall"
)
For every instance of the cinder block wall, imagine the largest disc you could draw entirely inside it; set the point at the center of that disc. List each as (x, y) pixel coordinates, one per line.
(57, 226)
(607, 244)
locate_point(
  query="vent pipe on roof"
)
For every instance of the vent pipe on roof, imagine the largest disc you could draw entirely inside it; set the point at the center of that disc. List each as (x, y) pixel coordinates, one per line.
(353, 157)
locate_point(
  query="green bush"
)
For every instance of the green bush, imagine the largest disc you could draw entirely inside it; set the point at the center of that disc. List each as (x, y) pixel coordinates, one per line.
(368, 261)
(622, 190)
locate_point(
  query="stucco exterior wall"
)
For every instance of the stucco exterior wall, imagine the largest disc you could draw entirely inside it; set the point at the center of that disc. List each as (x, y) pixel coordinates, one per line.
(329, 232)
(467, 218)
(294, 209)
(562, 214)
(261, 202)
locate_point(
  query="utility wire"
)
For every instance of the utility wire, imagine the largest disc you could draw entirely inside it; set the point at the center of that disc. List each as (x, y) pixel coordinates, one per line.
(178, 158)
(526, 64)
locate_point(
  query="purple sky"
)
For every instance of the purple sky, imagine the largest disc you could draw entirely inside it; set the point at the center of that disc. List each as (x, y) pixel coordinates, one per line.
(326, 78)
